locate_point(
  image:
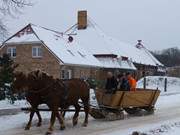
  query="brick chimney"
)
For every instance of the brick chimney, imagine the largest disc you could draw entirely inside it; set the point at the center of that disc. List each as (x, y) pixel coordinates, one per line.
(82, 20)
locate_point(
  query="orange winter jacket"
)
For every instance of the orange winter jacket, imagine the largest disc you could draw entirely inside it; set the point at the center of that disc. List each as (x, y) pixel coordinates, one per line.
(132, 83)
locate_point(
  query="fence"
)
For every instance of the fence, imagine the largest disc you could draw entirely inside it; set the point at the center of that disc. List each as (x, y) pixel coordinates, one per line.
(165, 84)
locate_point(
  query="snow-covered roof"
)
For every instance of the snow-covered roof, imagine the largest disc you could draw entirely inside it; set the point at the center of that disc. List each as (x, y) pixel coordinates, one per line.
(67, 52)
(137, 55)
(76, 52)
(116, 63)
(85, 44)
(96, 41)
(92, 38)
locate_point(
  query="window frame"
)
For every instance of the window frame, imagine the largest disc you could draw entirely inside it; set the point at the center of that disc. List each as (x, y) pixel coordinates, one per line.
(11, 53)
(66, 74)
(38, 52)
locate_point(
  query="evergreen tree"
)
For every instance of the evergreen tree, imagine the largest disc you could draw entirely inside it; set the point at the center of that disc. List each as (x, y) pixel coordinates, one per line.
(6, 77)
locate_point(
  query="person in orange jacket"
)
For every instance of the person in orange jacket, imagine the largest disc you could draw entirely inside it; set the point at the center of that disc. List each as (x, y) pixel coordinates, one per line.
(132, 82)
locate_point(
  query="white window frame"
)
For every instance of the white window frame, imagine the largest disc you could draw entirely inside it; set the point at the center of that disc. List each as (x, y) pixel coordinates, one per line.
(66, 74)
(10, 52)
(37, 53)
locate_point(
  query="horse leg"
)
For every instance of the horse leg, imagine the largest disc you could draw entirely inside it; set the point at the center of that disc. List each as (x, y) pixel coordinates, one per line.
(86, 110)
(76, 114)
(61, 120)
(52, 121)
(63, 113)
(30, 119)
(39, 118)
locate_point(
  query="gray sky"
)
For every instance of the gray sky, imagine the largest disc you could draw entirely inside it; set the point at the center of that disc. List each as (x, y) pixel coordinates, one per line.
(156, 22)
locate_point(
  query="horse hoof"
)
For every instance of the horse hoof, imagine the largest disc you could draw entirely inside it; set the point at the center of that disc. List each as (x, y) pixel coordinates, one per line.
(39, 124)
(62, 128)
(48, 133)
(84, 124)
(75, 123)
(26, 128)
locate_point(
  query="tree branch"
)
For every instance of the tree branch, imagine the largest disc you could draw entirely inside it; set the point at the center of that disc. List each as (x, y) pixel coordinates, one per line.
(10, 8)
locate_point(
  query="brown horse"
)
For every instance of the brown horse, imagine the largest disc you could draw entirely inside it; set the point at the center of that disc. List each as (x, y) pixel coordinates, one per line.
(75, 89)
(40, 88)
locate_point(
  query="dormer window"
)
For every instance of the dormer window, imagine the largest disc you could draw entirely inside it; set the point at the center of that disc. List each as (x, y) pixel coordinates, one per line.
(11, 51)
(36, 52)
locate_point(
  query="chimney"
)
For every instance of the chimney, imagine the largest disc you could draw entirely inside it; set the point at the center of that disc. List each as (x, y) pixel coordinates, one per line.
(82, 20)
(139, 44)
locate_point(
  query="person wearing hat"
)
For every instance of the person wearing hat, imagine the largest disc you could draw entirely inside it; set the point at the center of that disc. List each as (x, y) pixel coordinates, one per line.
(111, 83)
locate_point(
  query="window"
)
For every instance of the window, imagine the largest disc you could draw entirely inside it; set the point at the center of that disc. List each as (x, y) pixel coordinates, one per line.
(11, 51)
(66, 74)
(36, 51)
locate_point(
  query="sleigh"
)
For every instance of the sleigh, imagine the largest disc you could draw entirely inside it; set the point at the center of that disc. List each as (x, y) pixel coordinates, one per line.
(114, 106)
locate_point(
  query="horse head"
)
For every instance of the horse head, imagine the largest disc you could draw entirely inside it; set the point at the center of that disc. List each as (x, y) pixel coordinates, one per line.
(19, 83)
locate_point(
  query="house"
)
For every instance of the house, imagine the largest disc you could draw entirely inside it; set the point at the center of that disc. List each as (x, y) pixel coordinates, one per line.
(82, 51)
(89, 35)
(36, 47)
(153, 67)
(110, 51)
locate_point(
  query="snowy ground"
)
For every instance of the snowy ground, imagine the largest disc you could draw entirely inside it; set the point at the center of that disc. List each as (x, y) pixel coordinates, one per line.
(165, 121)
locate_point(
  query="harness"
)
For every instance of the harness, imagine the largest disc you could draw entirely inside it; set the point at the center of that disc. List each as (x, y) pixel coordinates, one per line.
(39, 91)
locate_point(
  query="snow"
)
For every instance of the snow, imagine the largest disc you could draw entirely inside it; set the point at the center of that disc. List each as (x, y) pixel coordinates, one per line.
(161, 123)
(23, 38)
(138, 55)
(116, 63)
(96, 41)
(166, 127)
(18, 120)
(70, 53)
(5, 104)
(165, 121)
(86, 43)
(158, 82)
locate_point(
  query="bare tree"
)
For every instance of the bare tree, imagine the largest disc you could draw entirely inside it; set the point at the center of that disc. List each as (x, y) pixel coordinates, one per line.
(10, 8)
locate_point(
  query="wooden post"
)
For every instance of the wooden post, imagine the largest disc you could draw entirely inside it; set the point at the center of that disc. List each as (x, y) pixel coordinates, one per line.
(165, 85)
(144, 84)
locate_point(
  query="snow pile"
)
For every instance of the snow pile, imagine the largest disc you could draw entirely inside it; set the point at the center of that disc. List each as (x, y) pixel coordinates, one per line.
(164, 129)
(158, 82)
(5, 104)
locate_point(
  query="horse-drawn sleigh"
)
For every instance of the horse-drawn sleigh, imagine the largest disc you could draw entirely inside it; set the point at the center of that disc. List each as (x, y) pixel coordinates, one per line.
(58, 95)
(112, 106)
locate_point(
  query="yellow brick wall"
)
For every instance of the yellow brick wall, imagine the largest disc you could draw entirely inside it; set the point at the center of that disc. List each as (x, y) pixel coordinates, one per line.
(27, 63)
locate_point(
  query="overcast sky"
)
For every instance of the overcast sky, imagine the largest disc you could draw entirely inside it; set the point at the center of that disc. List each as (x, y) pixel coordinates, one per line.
(156, 22)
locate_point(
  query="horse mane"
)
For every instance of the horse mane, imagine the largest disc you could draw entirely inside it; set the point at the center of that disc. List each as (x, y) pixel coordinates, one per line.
(39, 74)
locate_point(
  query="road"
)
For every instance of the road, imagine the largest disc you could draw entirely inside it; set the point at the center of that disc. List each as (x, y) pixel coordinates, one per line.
(99, 127)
